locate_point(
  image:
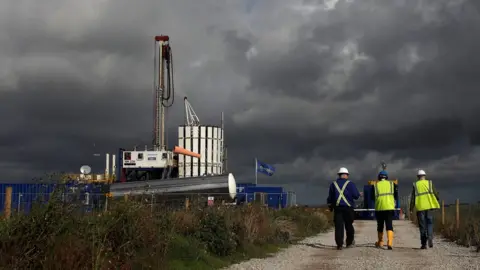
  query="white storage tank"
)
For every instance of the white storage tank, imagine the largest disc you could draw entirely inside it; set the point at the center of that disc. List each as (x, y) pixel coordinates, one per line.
(181, 158)
(188, 146)
(208, 142)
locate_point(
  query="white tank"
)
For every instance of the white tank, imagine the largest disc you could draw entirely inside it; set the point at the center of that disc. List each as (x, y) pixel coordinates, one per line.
(188, 146)
(215, 151)
(195, 148)
(181, 158)
(219, 150)
(208, 142)
(203, 150)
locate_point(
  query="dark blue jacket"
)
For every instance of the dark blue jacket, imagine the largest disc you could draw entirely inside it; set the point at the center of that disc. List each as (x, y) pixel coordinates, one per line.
(351, 193)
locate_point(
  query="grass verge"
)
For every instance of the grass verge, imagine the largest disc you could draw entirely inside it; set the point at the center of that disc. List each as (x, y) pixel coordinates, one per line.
(136, 236)
(468, 233)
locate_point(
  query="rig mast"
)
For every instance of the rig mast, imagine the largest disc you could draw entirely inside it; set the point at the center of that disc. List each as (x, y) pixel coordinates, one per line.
(164, 90)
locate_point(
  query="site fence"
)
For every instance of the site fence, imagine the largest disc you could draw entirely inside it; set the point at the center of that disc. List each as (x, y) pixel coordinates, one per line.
(452, 213)
(23, 203)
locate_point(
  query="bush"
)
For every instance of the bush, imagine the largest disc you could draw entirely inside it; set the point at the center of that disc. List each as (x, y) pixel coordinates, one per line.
(214, 232)
(133, 236)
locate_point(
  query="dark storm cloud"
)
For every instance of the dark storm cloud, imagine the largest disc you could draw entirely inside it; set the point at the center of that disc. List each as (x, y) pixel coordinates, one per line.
(62, 125)
(77, 79)
(420, 68)
(304, 88)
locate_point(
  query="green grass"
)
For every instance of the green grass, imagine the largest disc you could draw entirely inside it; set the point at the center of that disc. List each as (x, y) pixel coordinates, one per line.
(187, 253)
(135, 236)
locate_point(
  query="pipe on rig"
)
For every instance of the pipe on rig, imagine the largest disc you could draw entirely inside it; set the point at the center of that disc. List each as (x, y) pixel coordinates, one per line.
(183, 151)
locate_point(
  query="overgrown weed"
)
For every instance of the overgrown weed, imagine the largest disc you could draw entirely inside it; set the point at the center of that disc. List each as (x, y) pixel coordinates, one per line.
(132, 235)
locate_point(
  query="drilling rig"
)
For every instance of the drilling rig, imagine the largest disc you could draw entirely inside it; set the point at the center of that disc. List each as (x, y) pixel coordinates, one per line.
(163, 88)
(157, 167)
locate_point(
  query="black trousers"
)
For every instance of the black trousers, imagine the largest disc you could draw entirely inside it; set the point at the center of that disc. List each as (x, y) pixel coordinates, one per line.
(384, 218)
(343, 218)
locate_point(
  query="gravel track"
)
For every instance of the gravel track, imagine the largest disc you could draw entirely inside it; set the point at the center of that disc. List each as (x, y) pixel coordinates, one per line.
(319, 252)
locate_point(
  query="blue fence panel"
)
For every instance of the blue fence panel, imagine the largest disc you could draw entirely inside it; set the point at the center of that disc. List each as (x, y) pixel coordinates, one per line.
(24, 196)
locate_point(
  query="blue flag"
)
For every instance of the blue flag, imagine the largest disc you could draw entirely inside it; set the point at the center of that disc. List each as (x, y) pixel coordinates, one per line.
(265, 168)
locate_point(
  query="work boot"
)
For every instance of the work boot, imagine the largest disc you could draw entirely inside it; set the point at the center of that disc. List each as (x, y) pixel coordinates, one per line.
(351, 244)
(423, 240)
(390, 239)
(339, 247)
(430, 243)
(379, 243)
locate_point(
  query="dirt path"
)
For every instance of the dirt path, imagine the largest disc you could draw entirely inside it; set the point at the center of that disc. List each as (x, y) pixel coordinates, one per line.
(319, 253)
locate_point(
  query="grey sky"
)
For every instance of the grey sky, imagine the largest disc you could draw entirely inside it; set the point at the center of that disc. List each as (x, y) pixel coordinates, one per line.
(308, 86)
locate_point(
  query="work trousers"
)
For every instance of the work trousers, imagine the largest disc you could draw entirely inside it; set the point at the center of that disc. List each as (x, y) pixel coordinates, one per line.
(425, 224)
(343, 217)
(384, 218)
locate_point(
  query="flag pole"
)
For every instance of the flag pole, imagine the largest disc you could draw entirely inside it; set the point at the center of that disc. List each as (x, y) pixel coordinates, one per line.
(256, 171)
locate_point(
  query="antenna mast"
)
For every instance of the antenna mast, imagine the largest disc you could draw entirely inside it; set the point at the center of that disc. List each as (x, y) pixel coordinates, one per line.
(384, 165)
(224, 145)
(164, 90)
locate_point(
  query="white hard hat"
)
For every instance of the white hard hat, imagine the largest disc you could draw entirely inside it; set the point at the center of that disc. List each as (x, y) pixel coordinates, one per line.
(421, 173)
(343, 170)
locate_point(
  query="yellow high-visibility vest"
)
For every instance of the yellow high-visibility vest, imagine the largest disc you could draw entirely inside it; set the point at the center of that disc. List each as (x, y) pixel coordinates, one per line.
(384, 199)
(424, 197)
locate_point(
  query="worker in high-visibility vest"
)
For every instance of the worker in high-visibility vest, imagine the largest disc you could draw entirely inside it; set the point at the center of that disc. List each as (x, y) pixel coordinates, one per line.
(341, 196)
(385, 194)
(425, 199)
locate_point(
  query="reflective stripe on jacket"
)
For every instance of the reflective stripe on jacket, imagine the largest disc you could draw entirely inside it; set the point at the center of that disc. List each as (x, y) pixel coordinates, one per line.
(341, 193)
(384, 195)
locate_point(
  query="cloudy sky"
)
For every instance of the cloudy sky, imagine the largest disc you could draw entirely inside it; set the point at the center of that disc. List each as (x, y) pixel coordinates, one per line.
(309, 86)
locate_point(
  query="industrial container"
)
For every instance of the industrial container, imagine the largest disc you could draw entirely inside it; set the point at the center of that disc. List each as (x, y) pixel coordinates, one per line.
(208, 142)
(241, 193)
(241, 187)
(274, 200)
(286, 199)
(263, 189)
(368, 203)
(250, 197)
(281, 200)
(275, 196)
